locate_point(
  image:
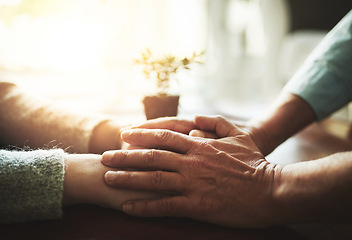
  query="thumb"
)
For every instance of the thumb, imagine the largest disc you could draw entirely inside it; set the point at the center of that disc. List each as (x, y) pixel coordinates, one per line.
(170, 123)
(218, 125)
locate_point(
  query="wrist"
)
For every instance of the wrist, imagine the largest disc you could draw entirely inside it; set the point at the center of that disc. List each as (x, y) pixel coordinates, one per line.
(288, 115)
(273, 203)
(294, 195)
(265, 142)
(317, 190)
(80, 178)
(84, 183)
(281, 196)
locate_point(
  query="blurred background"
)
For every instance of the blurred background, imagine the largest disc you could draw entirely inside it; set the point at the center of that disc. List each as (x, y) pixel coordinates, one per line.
(80, 53)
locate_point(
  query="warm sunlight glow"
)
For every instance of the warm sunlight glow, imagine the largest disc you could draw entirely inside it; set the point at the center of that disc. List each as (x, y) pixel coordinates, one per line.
(91, 33)
(10, 2)
(52, 44)
(87, 47)
(73, 45)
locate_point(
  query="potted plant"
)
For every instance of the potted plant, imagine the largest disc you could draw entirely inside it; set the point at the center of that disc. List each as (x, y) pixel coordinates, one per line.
(162, 70)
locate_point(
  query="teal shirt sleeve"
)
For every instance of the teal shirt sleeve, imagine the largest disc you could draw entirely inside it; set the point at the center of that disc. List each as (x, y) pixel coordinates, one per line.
(325, 79)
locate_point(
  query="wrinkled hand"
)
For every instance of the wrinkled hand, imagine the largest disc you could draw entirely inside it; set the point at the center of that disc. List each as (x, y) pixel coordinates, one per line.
(178, 125)
(225, 181)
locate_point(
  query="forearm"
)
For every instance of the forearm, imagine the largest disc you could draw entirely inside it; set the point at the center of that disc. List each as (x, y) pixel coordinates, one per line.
(324, 80)
(318, 190)
(26, 120)
(287, 116)
(78, 168)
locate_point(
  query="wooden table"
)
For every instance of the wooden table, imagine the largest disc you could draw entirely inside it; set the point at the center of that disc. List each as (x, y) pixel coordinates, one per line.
(90, 222)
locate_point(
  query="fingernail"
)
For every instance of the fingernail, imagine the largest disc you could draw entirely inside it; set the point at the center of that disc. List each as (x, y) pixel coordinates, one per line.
(127, 207)
(109, 176)
(107, 156)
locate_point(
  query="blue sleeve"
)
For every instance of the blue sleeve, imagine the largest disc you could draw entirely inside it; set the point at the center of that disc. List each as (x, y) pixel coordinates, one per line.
(325, 79)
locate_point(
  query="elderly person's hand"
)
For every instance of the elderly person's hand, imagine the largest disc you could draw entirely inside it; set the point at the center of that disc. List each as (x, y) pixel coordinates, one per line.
(225, 181)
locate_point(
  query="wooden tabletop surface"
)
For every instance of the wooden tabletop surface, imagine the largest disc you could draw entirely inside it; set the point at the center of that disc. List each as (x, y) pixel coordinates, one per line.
(90, 222)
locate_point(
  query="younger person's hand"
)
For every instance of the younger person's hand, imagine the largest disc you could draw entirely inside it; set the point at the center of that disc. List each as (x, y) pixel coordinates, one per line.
(84, 183)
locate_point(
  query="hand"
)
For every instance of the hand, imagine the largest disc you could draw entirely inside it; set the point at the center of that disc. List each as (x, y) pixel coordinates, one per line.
(84, 183)
(201, 126)
(106, 136)
(171, 123)
(177, 125)
(191, 128)
(225, 181)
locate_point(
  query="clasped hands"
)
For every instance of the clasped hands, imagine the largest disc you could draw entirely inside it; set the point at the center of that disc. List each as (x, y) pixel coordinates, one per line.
(207, 169)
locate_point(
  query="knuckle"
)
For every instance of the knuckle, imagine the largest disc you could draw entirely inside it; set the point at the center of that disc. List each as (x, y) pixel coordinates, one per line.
(220, 118)
(152, 156)
(122, 156)
(126, 177)
(157, 178)
(162, 136)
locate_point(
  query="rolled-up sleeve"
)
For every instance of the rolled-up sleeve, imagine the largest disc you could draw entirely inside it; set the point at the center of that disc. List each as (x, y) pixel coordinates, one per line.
(325, 79)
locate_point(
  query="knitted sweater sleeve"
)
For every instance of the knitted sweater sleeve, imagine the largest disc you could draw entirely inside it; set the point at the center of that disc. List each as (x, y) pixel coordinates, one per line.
(31, 185)
(31, 182)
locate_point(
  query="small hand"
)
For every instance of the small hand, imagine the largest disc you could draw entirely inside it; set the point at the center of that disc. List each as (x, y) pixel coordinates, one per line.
(225, 181)
(84, 183)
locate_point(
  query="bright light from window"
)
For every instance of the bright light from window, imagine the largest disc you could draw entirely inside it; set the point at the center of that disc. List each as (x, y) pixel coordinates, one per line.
(10, 2)
(73, 45)
(88, 46)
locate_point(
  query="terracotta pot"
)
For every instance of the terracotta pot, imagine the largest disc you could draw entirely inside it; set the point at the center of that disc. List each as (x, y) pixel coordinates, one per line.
(160, 106)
